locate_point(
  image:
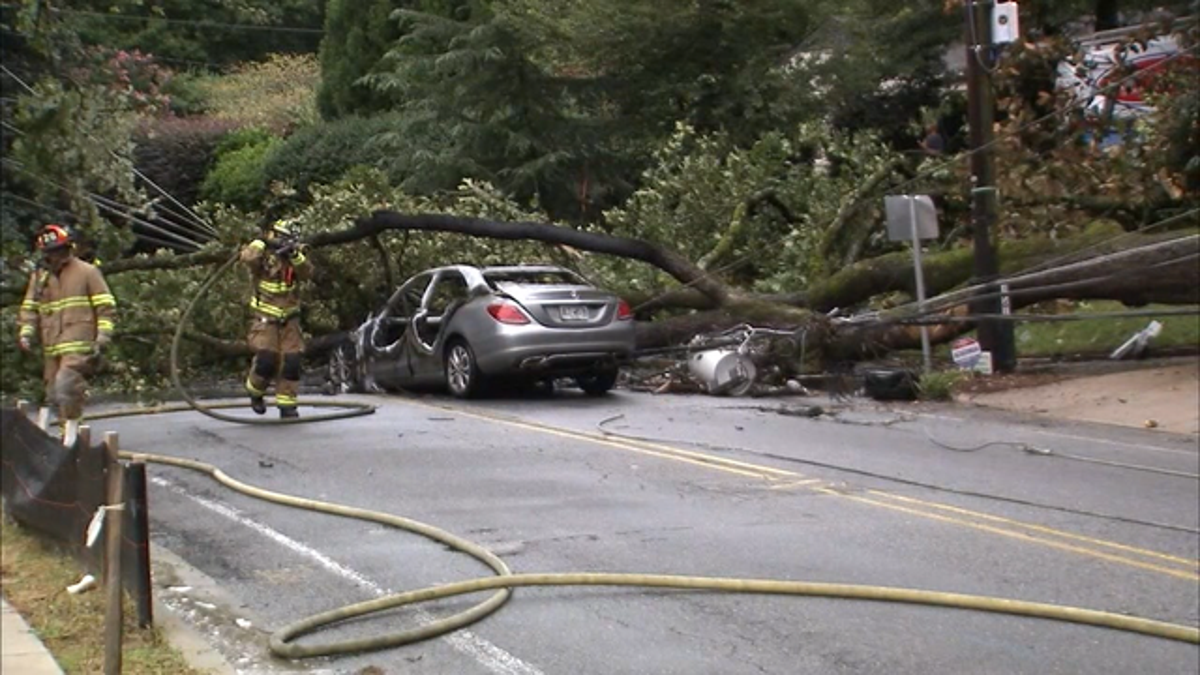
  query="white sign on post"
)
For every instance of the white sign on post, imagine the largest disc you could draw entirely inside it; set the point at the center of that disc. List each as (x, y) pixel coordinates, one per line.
(913, 218)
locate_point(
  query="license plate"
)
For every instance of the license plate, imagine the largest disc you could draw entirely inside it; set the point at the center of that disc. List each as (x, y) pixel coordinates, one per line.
(573, 313)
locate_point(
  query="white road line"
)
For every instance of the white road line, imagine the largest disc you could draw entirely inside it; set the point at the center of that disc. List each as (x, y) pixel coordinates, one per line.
(487, 654)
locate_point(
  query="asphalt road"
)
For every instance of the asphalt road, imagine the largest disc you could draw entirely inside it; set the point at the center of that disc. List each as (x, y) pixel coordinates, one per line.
(717, 487)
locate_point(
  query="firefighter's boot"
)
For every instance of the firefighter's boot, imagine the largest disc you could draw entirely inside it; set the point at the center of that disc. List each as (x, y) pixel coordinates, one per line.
(288, 412)
(258, 405)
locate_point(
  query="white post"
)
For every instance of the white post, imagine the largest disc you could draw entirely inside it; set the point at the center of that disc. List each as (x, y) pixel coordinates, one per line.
(916, 244)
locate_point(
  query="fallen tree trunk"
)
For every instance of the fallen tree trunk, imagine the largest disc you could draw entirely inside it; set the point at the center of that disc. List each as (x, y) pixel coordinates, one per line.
(1119, 278)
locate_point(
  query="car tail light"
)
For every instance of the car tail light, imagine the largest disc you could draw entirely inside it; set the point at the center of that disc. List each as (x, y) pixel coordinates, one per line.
(507, 312)
(624, 312)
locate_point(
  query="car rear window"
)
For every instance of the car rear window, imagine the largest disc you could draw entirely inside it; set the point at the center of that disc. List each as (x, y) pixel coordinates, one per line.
(533, 278)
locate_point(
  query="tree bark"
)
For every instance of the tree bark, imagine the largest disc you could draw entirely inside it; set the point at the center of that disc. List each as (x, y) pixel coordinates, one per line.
(684, 270)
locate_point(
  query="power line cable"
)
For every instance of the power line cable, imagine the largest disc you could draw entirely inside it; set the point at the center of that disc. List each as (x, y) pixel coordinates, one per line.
(55, 210)
(962, 295)
(1047, 452)
(600, 426)
(197, 220)
(115, 207)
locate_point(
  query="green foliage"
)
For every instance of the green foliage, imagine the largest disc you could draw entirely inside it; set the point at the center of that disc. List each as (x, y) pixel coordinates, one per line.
(276, 94)
(757, 215)
(560, 104)
(71, 142)
(237, 175)
(713, 64)
(939, 386)
(322, 153)
(199, 32)
(176, 153)
(22, 374)
(357, 35)
(187, 94)
(475, 105)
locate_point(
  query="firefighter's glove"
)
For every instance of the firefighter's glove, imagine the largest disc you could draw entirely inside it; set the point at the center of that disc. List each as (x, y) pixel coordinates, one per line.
(292, 250)
(24, 344)
(96, 359)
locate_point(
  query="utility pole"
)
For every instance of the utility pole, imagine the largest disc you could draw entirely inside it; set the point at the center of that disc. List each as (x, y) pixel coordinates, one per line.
(995, 336)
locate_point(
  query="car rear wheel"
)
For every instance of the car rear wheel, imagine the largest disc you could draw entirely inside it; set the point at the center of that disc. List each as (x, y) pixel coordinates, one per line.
(598, 383)
(463, 378)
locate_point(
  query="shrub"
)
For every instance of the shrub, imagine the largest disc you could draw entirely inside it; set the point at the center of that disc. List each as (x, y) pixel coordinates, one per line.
(278, 94)
(939, 386)
(176, 153)
(237, 177)
(322, 153)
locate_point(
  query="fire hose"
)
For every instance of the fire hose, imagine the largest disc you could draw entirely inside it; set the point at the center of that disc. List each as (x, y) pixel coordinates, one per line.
(283, 642)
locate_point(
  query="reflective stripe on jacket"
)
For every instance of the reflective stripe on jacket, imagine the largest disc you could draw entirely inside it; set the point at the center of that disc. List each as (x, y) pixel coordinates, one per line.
(274, 281)
(69, 309)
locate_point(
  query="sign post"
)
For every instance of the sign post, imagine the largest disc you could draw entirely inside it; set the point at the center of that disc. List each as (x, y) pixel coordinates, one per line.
(913, 218)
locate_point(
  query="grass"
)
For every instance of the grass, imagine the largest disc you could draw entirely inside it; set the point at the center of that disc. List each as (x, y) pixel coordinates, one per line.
(1102, 336)
(1097, 337)
(939, 386)
(35, 576)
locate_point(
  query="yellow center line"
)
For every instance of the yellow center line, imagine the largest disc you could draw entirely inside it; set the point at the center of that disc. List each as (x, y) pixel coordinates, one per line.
(647, 448)
(1190, 576)
(1048, 530)
(774, 475)
(798, 483)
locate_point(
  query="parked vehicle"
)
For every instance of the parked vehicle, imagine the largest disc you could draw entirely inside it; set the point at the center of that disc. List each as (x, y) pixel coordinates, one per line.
(464, 327)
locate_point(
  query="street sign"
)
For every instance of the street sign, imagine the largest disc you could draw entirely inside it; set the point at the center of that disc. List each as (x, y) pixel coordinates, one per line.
(965, 352)
(913, 218)
(901, 214)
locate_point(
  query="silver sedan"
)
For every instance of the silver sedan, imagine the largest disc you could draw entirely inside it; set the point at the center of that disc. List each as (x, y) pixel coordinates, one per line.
(465, 327)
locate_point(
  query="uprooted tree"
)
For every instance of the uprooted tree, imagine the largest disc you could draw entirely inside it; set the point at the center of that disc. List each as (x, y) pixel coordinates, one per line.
(1132, 268)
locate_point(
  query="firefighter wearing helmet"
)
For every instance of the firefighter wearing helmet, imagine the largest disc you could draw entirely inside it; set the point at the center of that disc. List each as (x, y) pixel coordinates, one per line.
(277, 262)
(69, 308)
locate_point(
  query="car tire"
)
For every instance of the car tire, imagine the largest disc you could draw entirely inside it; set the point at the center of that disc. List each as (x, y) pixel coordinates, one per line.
(598, 383)
(463, 378)
(344, 370)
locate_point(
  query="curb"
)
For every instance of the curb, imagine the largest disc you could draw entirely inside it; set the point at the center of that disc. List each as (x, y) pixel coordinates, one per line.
(21, 650)
(195, 647)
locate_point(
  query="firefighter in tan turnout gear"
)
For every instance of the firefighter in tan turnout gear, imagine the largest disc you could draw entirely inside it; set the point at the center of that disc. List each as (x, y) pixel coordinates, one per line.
(277, 263)
(70, 309)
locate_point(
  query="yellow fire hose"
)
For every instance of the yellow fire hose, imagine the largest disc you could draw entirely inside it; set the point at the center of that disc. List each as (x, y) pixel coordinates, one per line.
(282, 642)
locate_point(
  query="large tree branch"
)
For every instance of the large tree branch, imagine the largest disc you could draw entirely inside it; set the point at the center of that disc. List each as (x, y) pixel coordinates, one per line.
(893, 272)
(167, 262)
(317, 346)
(682, 269)
(851, 205)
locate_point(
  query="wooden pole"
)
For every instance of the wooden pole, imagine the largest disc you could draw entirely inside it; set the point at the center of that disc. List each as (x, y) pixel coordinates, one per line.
(113, 615)
(136, 501)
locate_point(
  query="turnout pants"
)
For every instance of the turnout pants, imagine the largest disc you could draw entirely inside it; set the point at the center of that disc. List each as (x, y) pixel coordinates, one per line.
(278, 349)
(65, 379)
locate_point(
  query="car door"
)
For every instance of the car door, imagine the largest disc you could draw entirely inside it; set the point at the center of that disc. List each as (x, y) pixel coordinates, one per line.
(447, 293)
(388, 342)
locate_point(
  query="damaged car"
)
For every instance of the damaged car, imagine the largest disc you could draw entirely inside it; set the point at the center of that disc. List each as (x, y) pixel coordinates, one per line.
(464, 327)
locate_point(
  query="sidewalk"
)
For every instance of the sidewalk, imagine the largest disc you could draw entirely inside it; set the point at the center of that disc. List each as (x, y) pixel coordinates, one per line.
(20, 650)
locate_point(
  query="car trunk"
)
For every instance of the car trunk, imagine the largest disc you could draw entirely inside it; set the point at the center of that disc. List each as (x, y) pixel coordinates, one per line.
(564, 306)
